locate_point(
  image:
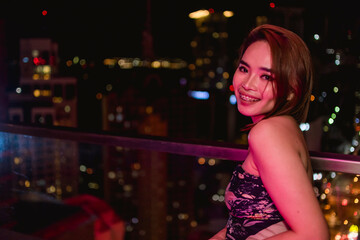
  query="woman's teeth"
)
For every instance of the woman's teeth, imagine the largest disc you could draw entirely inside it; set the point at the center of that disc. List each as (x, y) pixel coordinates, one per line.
(248, 99)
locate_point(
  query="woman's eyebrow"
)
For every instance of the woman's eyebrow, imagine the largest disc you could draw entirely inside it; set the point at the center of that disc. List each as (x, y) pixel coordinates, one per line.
(261, 68)
(244, 63)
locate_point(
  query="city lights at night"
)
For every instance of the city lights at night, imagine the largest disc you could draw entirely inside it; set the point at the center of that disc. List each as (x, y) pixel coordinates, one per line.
(158, 70)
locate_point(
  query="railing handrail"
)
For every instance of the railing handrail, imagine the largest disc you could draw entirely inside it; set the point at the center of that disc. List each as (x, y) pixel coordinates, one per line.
(221, 150)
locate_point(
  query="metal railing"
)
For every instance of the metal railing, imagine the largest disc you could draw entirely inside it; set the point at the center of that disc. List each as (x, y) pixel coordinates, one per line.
(320, 160)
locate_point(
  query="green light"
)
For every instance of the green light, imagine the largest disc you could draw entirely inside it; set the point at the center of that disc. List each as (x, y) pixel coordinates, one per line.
(337, 109)
(333, 115)
(336, 89)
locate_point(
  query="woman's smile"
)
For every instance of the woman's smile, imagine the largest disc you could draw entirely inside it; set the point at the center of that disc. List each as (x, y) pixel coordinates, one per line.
(247, 98)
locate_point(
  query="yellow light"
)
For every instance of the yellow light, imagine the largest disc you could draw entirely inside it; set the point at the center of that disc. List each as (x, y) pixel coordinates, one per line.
(312, 98)
(111, 175)
(356, 179)
(228, 14)
(212, 162)
(36, 77)
(199, 14)
(45, 93)
(46, 69)
(165, 64)
(356, 200)
(226, 75)
(68, 63)
(93, 185)
(149, 109)
(193, 224)
(36, 93)
(109, 87)
(58, 191)
(67, 108)
(137, 166)
(57, 99)
(327, 191)
(207, 60)
(46, 76)
(224, 35)
(211, 74)
(51, 189)
(219, 85)
(35, 53)
(68, 188)
(210, 53)
(346, 222)
(109, 62)
(215, 35)
(155, 64)
(199, 61)
(193, 44)
(17, 160)
(354, 228)
(27, 183)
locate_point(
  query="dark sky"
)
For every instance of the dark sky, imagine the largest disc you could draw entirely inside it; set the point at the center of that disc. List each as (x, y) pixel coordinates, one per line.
(99, 29)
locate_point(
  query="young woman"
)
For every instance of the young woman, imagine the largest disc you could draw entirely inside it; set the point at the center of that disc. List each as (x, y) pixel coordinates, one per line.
(270, 195)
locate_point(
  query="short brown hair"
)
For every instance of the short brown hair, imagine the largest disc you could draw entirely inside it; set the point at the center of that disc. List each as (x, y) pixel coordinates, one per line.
(292, 66)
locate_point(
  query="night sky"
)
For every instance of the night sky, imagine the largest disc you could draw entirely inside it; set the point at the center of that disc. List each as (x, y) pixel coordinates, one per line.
(98, 29)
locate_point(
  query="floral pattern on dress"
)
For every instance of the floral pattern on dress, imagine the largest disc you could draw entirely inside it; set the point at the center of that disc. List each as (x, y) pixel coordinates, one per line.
(250, 207)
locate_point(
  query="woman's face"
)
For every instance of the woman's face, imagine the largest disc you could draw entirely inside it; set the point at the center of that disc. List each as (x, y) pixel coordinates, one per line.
(253, 82)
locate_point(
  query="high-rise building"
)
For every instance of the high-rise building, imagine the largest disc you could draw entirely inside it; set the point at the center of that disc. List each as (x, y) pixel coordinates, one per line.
(42, 96)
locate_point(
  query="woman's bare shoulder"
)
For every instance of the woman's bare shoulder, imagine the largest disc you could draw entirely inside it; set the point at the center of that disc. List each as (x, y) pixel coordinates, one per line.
(275, 127)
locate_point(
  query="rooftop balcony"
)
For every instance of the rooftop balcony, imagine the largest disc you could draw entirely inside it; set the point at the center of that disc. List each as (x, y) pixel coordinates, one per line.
(62, 183)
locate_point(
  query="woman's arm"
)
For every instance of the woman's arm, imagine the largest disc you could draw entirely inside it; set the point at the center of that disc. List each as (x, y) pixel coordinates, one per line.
(220, 235)
(274, 144)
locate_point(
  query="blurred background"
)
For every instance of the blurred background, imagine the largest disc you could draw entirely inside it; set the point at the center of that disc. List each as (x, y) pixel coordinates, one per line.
(149, 67)
(156, 69)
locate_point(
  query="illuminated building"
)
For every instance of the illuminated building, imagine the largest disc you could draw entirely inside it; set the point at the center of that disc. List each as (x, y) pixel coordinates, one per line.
(42, 96)
(209, 73)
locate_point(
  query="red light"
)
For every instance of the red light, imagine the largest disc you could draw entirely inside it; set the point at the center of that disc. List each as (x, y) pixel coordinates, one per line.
(272, 5)
(231, 88)
(39, 61)
(36, 61)
(211, 10)
(44, 12)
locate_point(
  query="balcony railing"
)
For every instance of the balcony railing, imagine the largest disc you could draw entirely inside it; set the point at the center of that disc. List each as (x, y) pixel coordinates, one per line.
(54, 180)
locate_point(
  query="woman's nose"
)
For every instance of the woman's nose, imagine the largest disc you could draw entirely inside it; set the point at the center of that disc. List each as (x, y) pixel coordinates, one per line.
(249, 83)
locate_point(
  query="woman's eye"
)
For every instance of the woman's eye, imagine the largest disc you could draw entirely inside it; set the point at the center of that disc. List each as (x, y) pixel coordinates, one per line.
(243, 69)
(267, 77)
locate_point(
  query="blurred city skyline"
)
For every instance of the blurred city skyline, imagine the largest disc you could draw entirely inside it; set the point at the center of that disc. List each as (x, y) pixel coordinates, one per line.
(105, 35)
